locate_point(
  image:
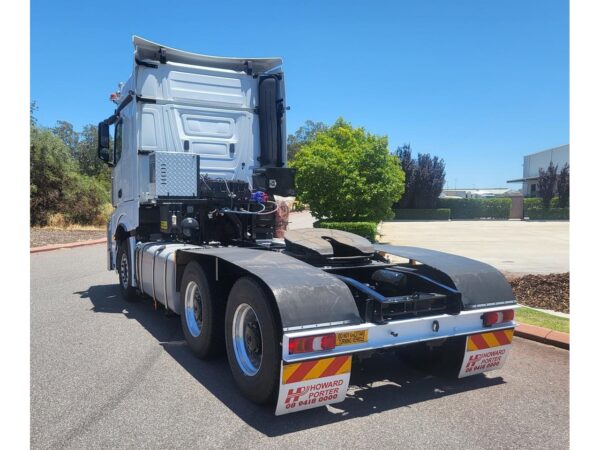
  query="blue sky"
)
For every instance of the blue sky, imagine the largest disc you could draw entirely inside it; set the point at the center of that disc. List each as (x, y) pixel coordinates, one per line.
(479, 83)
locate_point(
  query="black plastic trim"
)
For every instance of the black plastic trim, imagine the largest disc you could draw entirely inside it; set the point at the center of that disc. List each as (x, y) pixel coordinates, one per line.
(139, 62)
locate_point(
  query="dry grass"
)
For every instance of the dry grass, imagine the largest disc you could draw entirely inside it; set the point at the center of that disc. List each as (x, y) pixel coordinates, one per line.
(71, 227)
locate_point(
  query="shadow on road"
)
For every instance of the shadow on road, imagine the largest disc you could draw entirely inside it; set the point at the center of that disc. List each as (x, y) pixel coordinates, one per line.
(380, 383)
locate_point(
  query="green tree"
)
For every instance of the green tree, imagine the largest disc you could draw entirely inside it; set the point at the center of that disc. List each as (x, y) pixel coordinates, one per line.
(57, 186)
(348, 174)
(83, 146)
(52, 173)
(32, 109)
(65, 132)
(303, 135)
(87, 157)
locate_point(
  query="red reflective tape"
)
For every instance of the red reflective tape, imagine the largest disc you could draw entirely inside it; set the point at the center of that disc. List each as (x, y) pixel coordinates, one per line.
(502, 338)
(479, 342)
(335, 365)
(301, 371)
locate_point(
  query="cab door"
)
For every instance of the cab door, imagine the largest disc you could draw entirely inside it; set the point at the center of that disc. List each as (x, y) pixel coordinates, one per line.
(124, 180)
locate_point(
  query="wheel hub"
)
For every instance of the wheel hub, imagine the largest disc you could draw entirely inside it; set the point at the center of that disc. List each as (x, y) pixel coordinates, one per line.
(253, 339)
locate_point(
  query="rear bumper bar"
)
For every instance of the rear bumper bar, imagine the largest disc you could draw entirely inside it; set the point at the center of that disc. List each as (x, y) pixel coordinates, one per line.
(400, 332)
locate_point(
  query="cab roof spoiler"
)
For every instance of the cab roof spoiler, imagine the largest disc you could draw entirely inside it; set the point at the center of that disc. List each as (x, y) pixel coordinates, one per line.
(151, 54)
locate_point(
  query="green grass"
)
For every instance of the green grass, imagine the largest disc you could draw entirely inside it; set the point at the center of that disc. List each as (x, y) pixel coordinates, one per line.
(542, 319)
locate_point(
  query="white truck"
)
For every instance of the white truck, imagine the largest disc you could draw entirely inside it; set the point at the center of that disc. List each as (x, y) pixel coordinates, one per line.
(198, 154)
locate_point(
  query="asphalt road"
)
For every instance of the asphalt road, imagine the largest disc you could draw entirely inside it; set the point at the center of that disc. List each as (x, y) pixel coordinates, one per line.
(108, 374)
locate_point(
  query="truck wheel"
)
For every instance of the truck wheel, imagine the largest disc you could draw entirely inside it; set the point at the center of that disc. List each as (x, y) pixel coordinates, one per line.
(444, 359)
(253, 342)
(201, 314)
(125, 270)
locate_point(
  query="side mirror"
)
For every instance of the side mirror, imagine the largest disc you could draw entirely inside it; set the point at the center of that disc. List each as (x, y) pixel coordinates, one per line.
(104, 143)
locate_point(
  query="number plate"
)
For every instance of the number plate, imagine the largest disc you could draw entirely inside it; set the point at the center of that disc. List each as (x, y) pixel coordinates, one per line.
(351, 337)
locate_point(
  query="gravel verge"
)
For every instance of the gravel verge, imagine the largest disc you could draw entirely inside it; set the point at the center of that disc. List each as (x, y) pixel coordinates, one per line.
(46, 236)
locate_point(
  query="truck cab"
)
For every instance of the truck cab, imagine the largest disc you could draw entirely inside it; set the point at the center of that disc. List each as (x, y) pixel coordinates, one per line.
(188, 128)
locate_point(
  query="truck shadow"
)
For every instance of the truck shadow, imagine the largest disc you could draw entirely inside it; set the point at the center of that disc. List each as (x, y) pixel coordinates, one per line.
(378, 384)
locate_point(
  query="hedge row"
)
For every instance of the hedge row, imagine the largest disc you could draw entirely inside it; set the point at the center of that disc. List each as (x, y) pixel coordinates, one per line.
(536, 202)
(477, 208)
(422, 214)
(365, 229)
(547, 214)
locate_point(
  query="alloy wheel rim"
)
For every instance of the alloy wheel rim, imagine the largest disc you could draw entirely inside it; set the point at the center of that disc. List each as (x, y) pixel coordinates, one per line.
(247, 339)
(193, 309)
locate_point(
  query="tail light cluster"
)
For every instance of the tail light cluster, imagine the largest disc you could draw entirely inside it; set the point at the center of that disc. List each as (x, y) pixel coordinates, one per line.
(493, 318)
(309, 344)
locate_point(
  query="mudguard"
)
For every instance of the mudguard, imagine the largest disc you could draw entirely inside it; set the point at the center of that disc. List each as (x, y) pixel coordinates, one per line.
(306, 297)
(480, 284)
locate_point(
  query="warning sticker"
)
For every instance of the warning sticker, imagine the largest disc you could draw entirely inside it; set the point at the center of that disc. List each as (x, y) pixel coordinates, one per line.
(480, 361)
(300, 389)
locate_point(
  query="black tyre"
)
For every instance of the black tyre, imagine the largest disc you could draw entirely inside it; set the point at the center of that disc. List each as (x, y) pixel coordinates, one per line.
(201, 313)
(253, 341)
(125, 270)
(443, 358)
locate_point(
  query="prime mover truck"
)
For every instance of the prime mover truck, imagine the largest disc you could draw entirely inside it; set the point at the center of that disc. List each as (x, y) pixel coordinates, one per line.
(198, 155)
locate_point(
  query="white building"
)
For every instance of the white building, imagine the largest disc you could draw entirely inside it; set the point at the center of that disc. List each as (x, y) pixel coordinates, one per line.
(532, 164)
(475, 193)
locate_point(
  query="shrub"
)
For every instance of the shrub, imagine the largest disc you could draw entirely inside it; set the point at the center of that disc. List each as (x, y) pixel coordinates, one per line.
(298, 206)
(346, 174)
(477, 208)
(423, 214)
(103, 215)
(52, 172)
(536, 202)
(547, 214)
(365, 229)
(59, 194)
(84, 200)
(57, 220)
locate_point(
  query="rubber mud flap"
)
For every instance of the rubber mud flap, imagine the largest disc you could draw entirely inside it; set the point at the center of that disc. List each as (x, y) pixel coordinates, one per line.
(310, 384)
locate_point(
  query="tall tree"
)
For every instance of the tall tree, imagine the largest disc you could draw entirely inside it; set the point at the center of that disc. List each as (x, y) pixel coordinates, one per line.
(33, 107)
(408, 165)
(65, 131)
(547, 184)
(86, 153)
(52, 172)
(303, 135)
(562, 186)
(425, 178)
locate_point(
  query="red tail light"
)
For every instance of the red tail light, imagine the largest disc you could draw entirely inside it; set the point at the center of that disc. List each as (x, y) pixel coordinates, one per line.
(492, 318)
(312, 343)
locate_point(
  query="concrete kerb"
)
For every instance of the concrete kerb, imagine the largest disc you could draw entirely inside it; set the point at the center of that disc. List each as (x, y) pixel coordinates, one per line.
(47, 248)
(543, 335)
